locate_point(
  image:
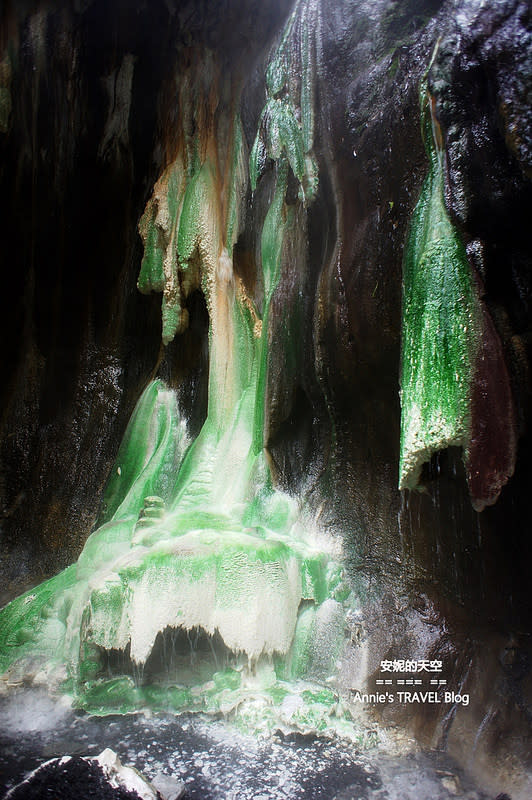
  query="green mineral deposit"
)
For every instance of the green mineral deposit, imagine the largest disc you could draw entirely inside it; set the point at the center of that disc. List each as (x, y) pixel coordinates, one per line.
(237, 184)
(151, 451)
(441, 322)
(286, 127)
(196, 201)
(158, 228)
(194, 544)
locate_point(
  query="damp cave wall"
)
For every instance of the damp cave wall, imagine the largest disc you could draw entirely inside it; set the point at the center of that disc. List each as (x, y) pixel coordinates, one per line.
(93, 109)
(92, 93)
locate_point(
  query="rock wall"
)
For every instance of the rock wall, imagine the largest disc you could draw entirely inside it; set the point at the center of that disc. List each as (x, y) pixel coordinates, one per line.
(92, 117)
(88, 120)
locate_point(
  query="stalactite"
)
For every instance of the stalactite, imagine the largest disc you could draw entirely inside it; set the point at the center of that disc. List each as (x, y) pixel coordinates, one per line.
(159, 270)
(453, 373)
(182, 228)
(441, 322)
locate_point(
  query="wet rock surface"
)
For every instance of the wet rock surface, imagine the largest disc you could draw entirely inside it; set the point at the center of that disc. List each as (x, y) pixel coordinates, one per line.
(85, 342)
(70, 778)
(87, 118)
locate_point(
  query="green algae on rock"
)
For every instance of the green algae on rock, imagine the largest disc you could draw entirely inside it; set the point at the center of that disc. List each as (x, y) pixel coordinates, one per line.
(442, 321)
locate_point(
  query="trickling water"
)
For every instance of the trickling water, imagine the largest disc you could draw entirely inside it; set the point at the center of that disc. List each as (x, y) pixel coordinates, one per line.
(486, 721)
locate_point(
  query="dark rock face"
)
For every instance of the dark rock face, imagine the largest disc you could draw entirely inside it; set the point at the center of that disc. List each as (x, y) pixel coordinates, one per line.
(71, 778)
(480, 78)
(432, 540)
(72, 316)
(88, 127)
